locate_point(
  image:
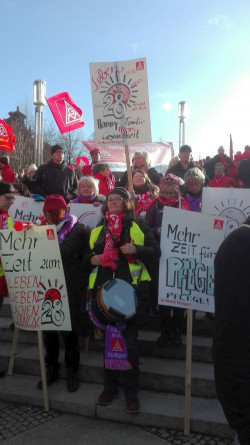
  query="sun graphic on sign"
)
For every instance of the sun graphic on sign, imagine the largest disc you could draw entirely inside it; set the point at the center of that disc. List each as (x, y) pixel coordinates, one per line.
(118, 95)
(53, 293)
(235, 213)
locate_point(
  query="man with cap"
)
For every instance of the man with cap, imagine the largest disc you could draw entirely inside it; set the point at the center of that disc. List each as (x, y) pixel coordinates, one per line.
(55, 177)
(95, 154)
(73, 239)
(185, 164)
(6, 199)
(6, 171)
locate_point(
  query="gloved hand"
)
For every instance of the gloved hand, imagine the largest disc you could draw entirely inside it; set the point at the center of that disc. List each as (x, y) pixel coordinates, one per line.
(38, 197)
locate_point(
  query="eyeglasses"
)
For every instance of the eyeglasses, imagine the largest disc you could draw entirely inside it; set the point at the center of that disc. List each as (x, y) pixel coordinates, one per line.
(9, 198)
(114, 199)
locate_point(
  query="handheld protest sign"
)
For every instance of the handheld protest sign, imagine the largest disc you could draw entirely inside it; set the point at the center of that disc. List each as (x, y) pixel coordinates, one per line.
(34, 274)
(120, 101)
(25, 209)
(87, 214)
(189, 242)
(230, 203)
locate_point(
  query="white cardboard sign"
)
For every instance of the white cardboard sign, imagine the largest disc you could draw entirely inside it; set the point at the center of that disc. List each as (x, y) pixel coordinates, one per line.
(25, 209)
(189, 242)
(230, 203)
(87, 214)
(120, 101)
(34, 274)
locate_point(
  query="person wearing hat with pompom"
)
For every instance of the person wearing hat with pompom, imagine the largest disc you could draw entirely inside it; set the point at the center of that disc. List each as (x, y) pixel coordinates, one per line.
(55, 177)
(6, 200)
(73, 239)
(121, 248)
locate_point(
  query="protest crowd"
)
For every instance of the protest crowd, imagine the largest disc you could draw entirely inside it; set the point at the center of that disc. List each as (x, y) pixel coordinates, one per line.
(122, 246)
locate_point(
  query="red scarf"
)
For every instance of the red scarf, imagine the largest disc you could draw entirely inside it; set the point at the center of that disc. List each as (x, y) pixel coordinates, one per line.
(143, 203)
(218, 180)
(179, 202)
(3, 219)
(110, 254)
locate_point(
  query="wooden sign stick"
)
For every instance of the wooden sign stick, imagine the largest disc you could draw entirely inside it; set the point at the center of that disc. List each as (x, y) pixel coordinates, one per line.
(188, 373)
(43, 372)
(13, 351)
(130, 183)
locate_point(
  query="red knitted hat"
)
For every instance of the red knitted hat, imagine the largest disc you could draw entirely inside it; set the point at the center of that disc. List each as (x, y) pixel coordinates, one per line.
(54, 202)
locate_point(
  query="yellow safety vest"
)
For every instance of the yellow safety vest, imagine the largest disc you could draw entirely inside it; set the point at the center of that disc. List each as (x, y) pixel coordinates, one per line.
(136, 269)
(10, 226)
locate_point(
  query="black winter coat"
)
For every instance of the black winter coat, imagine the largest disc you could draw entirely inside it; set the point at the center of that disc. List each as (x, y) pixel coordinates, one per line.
(231, 344)
(73, 249)
(56, 179)
(179, 170)
(144, 253)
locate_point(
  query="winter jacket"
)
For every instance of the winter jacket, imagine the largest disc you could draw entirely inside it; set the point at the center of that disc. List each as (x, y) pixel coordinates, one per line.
(152, 174)
(231, 343)
(56, 179)
(73, 249)
(105, 184)
(179, 170)
(7, 174)
(144, 253)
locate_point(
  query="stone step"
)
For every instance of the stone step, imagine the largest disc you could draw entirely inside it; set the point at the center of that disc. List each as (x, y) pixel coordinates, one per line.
(159, 410)
(147, 341)
(157, 374)
(201, 325)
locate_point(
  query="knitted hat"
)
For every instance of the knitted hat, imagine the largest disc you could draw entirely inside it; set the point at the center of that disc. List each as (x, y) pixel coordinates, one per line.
(194, 173)
(185, 147)
(120, 191)
(56, 147)
(95, 150)
(32, 168)
(4, 160)
(170, 179)
(54, 202)
(6, 187)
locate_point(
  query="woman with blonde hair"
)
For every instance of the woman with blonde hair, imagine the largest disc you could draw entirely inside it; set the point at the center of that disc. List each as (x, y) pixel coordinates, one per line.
(87, 192)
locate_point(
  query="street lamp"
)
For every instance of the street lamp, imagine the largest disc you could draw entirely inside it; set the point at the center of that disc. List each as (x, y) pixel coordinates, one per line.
(182, 115)
(39, 93)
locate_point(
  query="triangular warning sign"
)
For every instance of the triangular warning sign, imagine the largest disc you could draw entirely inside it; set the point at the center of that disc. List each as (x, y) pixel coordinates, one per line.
(71, 115)
(117, 346)
(218, 224)
(3, 131)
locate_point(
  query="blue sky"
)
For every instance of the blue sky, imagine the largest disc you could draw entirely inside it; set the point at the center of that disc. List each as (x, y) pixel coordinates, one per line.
(196, 50)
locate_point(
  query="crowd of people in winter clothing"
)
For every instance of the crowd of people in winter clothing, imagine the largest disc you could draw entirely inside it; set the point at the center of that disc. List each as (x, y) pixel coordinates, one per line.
(121, 247)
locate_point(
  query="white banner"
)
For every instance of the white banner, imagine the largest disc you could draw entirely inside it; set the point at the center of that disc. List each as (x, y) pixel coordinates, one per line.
(230, 203)
(34, 274)
(87, 214)
(25, 209)
(120, 101)
(189, 242)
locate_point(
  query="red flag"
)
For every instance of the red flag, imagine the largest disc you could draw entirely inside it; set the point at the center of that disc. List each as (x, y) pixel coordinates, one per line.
(82, 160)
(66, 114)
(7, 138)
(231, 150)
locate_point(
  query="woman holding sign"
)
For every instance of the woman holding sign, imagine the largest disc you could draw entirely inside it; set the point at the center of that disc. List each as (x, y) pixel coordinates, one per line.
(170, 196)
(120, 250)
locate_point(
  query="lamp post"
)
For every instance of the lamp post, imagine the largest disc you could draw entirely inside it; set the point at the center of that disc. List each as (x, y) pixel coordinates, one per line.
(39, 92)
(182, 115)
